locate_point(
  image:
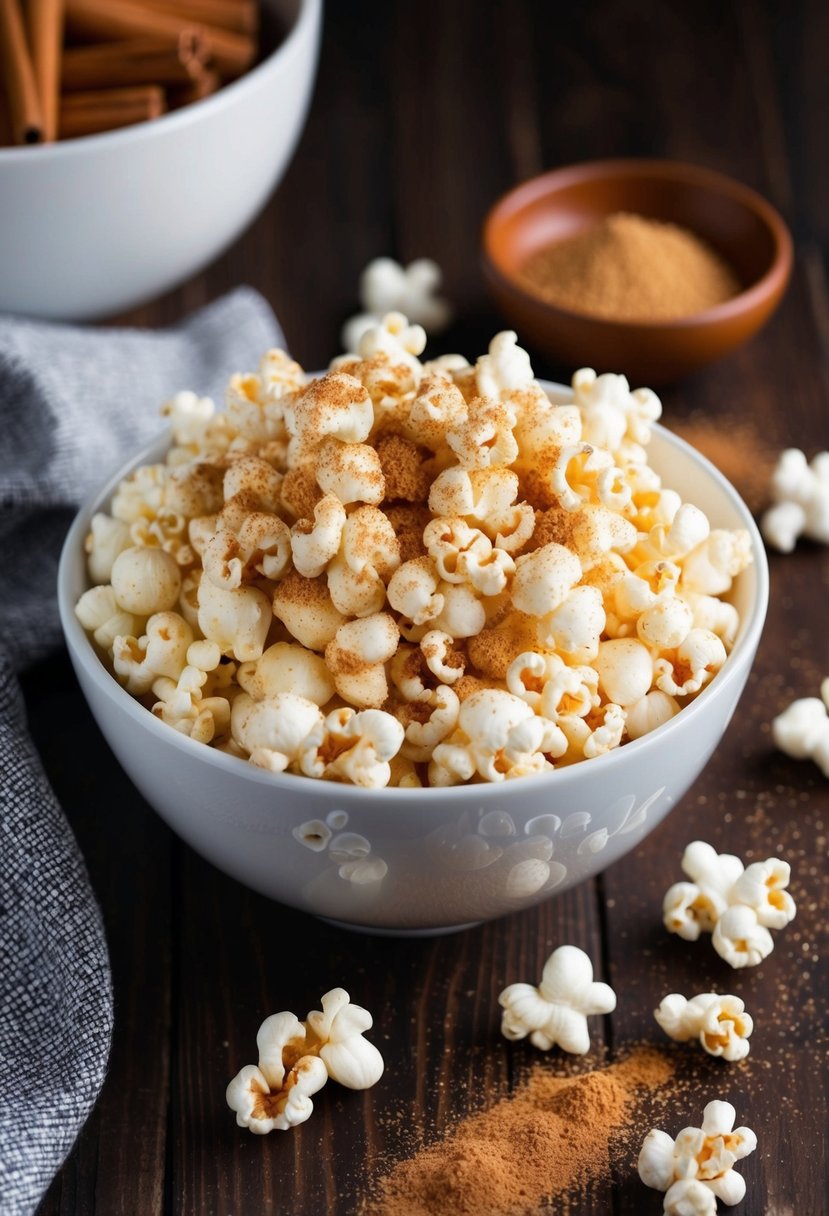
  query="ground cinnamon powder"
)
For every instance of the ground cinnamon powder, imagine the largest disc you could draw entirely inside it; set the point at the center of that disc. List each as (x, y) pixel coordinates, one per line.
(629, 268)
(554, 1134)
(737, 449)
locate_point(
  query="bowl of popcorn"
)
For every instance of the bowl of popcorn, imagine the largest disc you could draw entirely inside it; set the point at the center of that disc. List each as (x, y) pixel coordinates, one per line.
(412, 644)
(134, 154)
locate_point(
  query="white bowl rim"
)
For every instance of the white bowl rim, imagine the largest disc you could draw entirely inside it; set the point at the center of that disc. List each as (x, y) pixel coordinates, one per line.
(307, 15)
(79, 642)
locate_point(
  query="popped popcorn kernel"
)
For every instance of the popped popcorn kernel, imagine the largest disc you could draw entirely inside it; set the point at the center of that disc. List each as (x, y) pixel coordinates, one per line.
(802, 730)
(719, 1023)
(735, 904)
(699, 1159)
(297, 1058)
(556, 1012)
(440, 575)
(800, 498)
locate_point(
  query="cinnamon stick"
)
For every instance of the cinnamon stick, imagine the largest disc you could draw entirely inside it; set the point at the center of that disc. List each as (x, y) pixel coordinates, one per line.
(5, 123)
(106, 109)
(107, 20)
(25, 113)
(241, 16)
(45, 29)
(135, 61)
(204, 85)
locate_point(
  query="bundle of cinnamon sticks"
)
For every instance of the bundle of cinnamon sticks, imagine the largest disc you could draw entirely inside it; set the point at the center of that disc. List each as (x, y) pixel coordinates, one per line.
(79, 67)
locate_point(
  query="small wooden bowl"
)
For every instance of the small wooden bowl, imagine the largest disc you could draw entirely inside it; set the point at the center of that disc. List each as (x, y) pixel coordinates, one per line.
(735, 221)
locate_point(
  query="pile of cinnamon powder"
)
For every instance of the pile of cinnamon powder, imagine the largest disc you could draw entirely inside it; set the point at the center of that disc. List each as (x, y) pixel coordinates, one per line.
(554, 1134)
(631, 268)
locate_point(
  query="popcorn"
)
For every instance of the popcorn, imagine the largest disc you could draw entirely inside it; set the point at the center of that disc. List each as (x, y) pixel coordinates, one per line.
(339, 1027)
(98, 612)
(720, 1023)
(484, 438)
(273, 730)
(306, 609)
(705, 1156)
(625, 670)
(711, 568)
(611, 412)
(699, 656)
(423, 736)
(356, 655)
(285, 667)
(436, 648)
(802, 730)
(543, 579)
(438, 407)
(556, 1011)
(504, 581)
(736, 905)
(651, 711)
(314, 544)
(576, 626)
(107, 538)
(354, 747)
(386, 286)
(193, 705)
(350, 471)
(145, 580)
(504, 369)
(464, 554)
(689, 1197)
(800, 494)
(413, 591)
(297, 1058)
(395, 338)
(336, 405)
(161, 651)
(237, 620)
(260, 546)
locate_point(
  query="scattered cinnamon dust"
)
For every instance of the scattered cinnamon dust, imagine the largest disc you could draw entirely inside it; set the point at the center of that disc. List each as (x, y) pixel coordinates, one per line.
(737, 450)
(631, 268)
(555, 1133)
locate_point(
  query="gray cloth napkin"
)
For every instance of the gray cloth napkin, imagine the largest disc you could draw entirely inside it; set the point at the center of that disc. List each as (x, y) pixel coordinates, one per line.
(74, 402)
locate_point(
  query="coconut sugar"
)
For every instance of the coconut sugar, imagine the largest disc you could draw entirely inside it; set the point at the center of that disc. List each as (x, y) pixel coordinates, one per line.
(552, 1135)
(630, 268)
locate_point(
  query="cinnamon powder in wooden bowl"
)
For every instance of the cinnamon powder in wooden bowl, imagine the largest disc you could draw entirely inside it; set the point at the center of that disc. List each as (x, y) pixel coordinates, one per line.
(631, 268)
(734, 222)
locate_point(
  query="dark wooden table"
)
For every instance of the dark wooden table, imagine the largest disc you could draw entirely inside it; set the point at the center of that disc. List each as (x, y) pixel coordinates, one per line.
(423, 115)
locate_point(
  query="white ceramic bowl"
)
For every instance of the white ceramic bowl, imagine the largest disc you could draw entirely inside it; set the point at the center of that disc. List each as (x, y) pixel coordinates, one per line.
(428, 860)
(93, 226)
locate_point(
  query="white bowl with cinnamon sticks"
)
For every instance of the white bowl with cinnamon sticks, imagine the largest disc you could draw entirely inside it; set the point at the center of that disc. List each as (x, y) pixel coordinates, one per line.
(139, 138)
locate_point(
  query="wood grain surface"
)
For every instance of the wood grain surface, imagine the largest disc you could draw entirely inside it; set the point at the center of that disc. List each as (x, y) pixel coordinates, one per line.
(423, 114)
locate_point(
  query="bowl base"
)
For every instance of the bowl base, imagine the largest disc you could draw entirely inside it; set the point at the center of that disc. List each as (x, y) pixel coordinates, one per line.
(441, 931)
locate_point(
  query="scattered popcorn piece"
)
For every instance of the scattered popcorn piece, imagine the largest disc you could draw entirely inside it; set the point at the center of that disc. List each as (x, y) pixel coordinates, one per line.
(297, 1058)
(733, 904)
(740, 939)
(802, 730)
(704, 1155)
(386, 286)
(720, 1023)
(556, 1011)
(800, 497)
(339, 1027)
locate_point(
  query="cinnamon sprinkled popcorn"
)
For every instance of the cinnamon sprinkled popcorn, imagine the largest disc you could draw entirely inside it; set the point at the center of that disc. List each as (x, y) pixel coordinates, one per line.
(411, 572)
